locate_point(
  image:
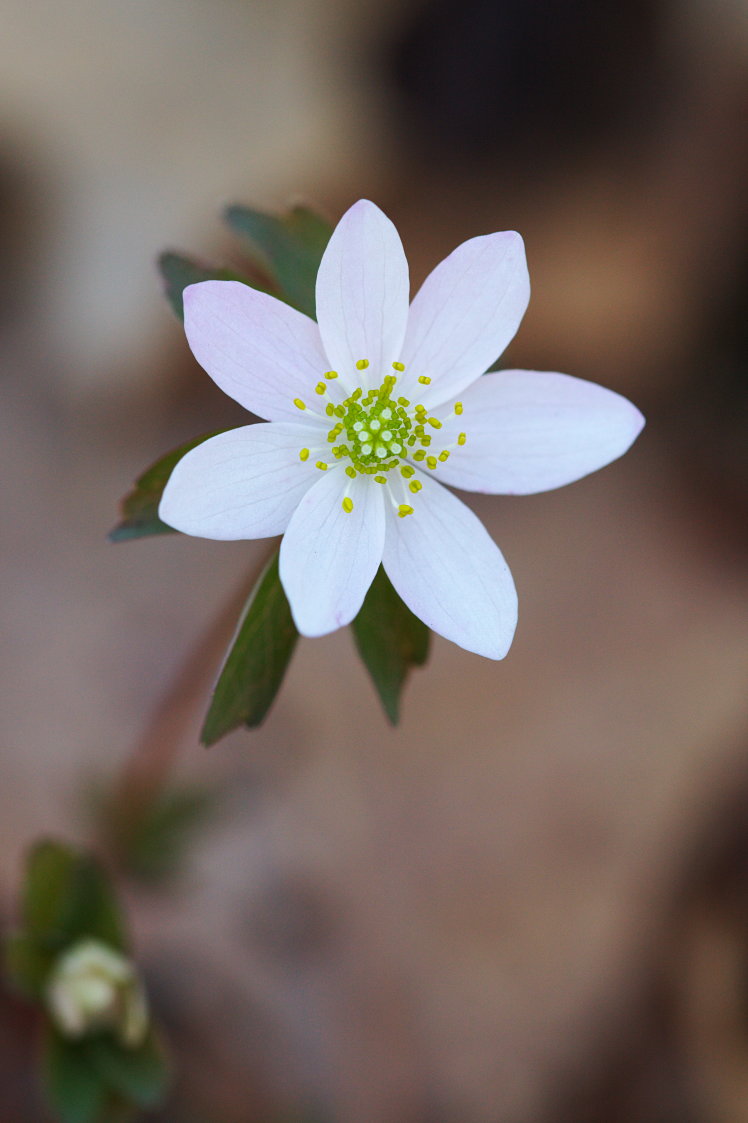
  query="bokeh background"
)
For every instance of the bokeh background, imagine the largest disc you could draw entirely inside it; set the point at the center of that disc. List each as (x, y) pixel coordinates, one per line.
(529, 903)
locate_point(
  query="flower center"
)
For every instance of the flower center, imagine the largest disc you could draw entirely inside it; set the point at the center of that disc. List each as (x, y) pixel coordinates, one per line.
(374, 427)
(376, 432)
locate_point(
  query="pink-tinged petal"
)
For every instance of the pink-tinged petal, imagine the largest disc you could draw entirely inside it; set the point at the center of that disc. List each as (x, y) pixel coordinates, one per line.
(258, 350)
(328, 556)
(531, 431)
(242, 484)
(450, 573)
(362, 295)
(464, 315)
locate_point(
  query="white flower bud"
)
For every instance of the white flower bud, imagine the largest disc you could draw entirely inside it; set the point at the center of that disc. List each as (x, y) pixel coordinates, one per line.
(95, 988)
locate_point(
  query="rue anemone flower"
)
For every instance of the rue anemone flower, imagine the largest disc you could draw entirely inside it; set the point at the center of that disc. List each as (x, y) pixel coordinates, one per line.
(369, 413)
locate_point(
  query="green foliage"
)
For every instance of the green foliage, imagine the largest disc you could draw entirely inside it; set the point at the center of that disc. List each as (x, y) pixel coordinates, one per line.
(257, 659)
(66, 897)
(150, 842)
(139, 1076)
(75, 1091)
(97, 1080)
(140, 506)
(289, 247)
(27, 963)
(390, 640)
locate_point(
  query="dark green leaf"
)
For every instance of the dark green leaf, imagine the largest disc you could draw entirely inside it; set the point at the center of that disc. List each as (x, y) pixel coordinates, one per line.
(26, 964)
(154, 846)
(67, 897)
(140, 1076)
(256, 662)
(289, 247)
(390, 640)
(179, 271)
(140, 506)
(76, 1091)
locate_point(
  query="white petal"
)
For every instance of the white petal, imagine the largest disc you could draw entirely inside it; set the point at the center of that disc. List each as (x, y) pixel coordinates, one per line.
(362, 295)
(464, 315)
(257, 349)
(328, 557)
(450, 573)
(531, 431)
(242, 484)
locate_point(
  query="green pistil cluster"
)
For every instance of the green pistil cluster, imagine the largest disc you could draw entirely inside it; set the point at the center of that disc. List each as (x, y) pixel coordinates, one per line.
(376, 431)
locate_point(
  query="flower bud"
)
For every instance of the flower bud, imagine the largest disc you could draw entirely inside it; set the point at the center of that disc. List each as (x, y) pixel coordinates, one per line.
(95, 988)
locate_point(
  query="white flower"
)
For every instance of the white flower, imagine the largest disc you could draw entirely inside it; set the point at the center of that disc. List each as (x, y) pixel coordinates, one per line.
(94, 988)
(373, 409)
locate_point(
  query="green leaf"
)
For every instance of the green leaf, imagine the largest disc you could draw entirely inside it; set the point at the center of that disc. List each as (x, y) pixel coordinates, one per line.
(257, 659)
(26, 964)
(153, 847)
(141, 1076)
(179, 271)
(140, 506)
(76, 1091)
(390, 640)
(289, 247)
(68, 897)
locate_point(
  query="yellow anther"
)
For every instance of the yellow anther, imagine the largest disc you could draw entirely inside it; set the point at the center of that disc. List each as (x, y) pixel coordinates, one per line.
(462, 438)
(398, 366)
(298, 403)
(458, 408)
(426, 441)
(329, 409)
(304, 454)
(431, 462)
(403, 401)
(424, 380)
(362, 364)
(404, 510)
(347, 504)
(357, 392)
(380, 479)
(351, 471)
(320, 388)
(444, 455)
(415, 485)
(435, 422)
(322, 466)
(407, 471)
(339, 411)
(331, 374)
(419, 454)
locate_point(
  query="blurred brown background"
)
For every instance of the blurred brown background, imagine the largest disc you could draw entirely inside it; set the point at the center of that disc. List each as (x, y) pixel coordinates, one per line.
(529, 903)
